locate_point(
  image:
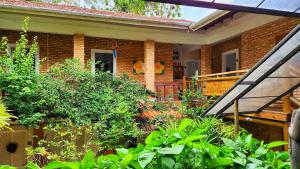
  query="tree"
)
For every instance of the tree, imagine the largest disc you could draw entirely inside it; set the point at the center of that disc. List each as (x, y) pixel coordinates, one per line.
(140, 7)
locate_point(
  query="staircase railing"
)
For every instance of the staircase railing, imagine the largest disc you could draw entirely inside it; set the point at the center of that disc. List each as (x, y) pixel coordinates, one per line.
(213, 84)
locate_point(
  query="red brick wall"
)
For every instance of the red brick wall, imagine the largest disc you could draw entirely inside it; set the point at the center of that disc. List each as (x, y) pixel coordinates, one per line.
(55, 48)
(257, 42)
(219, 48)
(128, 51)
(52, 47)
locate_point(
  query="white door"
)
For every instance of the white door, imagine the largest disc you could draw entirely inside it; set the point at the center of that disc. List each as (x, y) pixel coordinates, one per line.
(230, 60)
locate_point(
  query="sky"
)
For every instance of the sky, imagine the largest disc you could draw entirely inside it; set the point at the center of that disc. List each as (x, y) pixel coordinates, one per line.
(195, 13)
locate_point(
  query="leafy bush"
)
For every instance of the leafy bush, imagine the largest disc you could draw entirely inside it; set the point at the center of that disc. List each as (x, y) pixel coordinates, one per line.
(193, 102)
(108, 103)
(18, 80)
(186, 146)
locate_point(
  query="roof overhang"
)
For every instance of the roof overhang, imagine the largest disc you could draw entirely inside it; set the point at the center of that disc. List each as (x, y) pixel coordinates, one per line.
(62, 23)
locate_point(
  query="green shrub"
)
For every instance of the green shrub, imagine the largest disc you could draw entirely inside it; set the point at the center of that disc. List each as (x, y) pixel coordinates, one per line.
(18, 80)
(193, 103)
(186, 146)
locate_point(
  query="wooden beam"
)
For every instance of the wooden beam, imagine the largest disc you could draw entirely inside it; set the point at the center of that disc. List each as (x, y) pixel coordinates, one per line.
(287, 103)
(236, 117)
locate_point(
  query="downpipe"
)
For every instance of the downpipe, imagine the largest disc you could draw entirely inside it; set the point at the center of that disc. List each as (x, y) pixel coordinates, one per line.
(294, 144)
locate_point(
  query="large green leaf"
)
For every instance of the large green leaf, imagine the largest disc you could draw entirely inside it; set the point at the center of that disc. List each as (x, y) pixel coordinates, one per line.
(126, 160)
(222, 161)
(185, 123)
(276, 144)
(7, 167)
(167, 163)
(154, 139)
(88, 161)
(174, 150)
(145, 158)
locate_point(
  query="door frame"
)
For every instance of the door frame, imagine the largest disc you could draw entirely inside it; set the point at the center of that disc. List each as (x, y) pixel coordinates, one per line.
(237, 61)
(93, 54)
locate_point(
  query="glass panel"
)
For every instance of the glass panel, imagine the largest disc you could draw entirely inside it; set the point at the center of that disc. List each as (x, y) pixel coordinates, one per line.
(291, 44)
(250, 105)
(227, 99)
(272, 87)
(252, 3)
(284, 5)
(290, 69)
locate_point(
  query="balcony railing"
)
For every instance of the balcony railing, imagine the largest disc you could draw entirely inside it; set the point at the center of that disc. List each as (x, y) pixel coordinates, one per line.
(213, 84)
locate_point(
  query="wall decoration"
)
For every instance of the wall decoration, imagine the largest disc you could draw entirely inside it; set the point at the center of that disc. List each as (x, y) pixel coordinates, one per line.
(159, 67)
(138, 67)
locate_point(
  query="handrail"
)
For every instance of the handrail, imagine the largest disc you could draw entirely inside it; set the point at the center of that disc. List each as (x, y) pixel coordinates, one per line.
(224, 73)
(214, 84)
(295, 101)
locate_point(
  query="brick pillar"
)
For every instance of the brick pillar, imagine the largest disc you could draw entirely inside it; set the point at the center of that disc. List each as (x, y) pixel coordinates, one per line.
(205, 61)
(78, 41)
(149, 64)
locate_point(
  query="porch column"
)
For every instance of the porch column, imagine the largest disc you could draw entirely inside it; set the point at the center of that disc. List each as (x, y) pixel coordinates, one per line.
(78, 42)
(206, 59)
(149, 64)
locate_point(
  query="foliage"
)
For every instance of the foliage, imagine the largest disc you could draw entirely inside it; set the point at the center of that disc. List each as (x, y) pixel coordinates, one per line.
(110, 104)
(194, 103)
(129, 6)
(62, 142)
(4, 116)
(186, 146)
(18, 80)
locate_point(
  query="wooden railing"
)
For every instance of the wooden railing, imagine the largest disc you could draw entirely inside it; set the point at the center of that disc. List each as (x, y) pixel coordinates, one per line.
(213, 84)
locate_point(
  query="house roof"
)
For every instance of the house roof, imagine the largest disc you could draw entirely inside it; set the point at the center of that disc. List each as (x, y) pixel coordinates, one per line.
(80, 11)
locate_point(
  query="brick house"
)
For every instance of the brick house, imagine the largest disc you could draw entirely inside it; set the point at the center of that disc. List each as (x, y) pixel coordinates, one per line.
(237, 41)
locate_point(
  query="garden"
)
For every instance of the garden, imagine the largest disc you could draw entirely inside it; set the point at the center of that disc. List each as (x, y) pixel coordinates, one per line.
(93, 121)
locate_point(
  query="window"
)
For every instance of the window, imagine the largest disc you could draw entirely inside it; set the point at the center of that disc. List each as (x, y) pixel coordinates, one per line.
(103, 59)
(36, 67)
(192, 67)
(230, 60)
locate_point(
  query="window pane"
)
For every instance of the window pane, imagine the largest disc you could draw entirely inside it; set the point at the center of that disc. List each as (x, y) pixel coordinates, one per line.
(250, 105)
(252, 3)
(284, 5)
(227, 99)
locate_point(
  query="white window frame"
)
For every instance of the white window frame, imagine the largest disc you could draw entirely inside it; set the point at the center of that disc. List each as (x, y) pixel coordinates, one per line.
(93, 54)
(224, 54)
(36, 59)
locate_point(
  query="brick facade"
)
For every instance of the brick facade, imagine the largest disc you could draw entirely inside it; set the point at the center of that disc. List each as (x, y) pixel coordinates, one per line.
(149, 62)
(206, 59)
(55, 48)
(219, 48)
(78, 43)
(259, 41)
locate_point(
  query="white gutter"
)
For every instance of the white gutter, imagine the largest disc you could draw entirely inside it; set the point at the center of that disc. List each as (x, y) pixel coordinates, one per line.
(208, 19)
